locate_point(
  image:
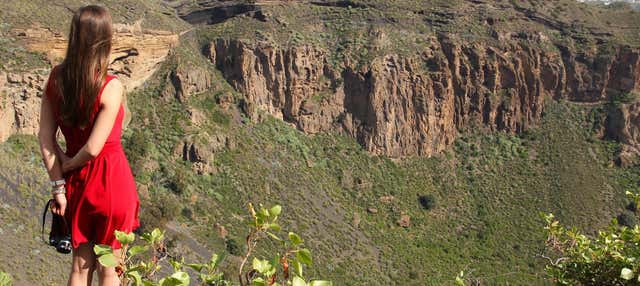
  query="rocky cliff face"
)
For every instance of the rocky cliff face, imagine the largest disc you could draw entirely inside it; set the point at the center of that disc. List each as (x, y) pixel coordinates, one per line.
(135, 56)
(623, 125)
(415, 105)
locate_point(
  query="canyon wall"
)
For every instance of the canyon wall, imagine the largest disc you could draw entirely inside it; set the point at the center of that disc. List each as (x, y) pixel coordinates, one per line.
(415, 105)
(136, 54)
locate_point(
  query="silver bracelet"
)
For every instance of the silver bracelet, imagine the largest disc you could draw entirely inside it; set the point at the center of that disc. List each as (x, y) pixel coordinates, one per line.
(59, 190)
(58, 183)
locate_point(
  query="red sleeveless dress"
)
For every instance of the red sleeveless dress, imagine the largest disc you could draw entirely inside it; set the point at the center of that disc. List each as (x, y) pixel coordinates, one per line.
(101, 196)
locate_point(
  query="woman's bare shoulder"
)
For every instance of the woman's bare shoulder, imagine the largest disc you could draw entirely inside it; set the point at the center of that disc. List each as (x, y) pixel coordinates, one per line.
(112, 93)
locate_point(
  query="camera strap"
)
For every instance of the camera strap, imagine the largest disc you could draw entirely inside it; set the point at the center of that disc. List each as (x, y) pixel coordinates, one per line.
(44, 218)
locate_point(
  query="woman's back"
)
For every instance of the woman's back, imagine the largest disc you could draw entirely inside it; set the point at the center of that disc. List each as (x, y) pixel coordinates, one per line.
(101, 194)
(76, 136)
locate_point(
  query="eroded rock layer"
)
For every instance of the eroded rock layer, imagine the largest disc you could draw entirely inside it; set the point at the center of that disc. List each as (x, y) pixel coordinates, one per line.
(415, 105)
(136, 55)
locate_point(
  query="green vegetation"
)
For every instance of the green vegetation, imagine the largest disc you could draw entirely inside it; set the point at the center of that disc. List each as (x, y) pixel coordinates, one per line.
(609, 258)
(471, 208)
(346, 201)
(5, 279)
(134, 268)
(624, 98)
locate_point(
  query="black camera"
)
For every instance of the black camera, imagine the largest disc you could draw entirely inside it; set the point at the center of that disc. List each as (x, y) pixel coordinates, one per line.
(62, 244)
(59, 236)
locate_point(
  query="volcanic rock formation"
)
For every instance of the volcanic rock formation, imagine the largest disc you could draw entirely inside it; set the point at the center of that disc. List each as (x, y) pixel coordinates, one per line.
(400, 106)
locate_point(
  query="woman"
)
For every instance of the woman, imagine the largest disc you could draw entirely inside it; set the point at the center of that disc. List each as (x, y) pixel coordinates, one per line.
(92, 184)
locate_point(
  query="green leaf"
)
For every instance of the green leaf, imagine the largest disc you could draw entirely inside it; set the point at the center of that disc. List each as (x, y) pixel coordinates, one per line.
(102, 249)
(5, 279)
(274, 226)
(135, 250)
(176, 279)
(304, 255)
(273, 236)
(154, 236)
(626, 274)
(275, 210)
(320, 283)
(297, 281)
(125, 238)
(176, 265)
(195, 266)
(137, 278)
(294, 238)
(157, 235)
(264, 213)
(108, 260)
(298, 266)
(262, 266)
(215, 260)
(259, 282)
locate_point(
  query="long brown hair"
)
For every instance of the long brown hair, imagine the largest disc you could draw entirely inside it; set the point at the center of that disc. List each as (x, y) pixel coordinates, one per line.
(84, 69)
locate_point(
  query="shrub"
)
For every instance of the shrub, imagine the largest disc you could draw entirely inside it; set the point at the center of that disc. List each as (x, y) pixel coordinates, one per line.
(610, 258)
(232, 246)
(137, 271)
(428, 202)
(627, 219)
(623, 98)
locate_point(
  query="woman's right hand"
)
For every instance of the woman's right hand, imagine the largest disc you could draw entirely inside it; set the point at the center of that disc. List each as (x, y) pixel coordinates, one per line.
(60, 204)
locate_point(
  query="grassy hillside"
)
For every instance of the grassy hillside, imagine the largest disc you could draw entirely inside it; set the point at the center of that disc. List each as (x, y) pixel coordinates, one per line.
(473, 208)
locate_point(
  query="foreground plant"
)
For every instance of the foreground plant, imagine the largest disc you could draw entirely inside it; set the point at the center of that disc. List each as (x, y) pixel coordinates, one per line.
(5, 279)
(264, 225)
(610, 258)
(139, 264)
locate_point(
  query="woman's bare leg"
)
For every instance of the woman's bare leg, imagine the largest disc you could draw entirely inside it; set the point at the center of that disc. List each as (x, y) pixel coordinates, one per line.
(83, 265)
(107, 276)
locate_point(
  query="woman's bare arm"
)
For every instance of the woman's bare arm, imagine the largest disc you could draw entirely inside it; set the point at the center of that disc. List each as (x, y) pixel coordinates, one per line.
(47, 138)
(48, 147)
(110, 102)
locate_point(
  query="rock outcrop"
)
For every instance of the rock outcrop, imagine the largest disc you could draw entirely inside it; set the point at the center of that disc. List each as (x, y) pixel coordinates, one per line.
(187, 81)
(401, 106)
(623, 125)
(200, 150)
(20, 102)
(136, 55)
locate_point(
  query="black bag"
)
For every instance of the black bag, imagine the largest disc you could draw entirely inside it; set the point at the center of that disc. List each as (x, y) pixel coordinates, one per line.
(59, 236)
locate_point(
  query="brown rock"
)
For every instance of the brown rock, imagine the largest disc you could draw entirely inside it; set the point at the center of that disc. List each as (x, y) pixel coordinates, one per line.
(387, 199)
(623, 125)
(200, 150)
(225, 100)
(135, 54)
(14, 78)
(372, 210)
(188, 81)
(356, 220)
(196, 116)
(404, 221)
(222, 231)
